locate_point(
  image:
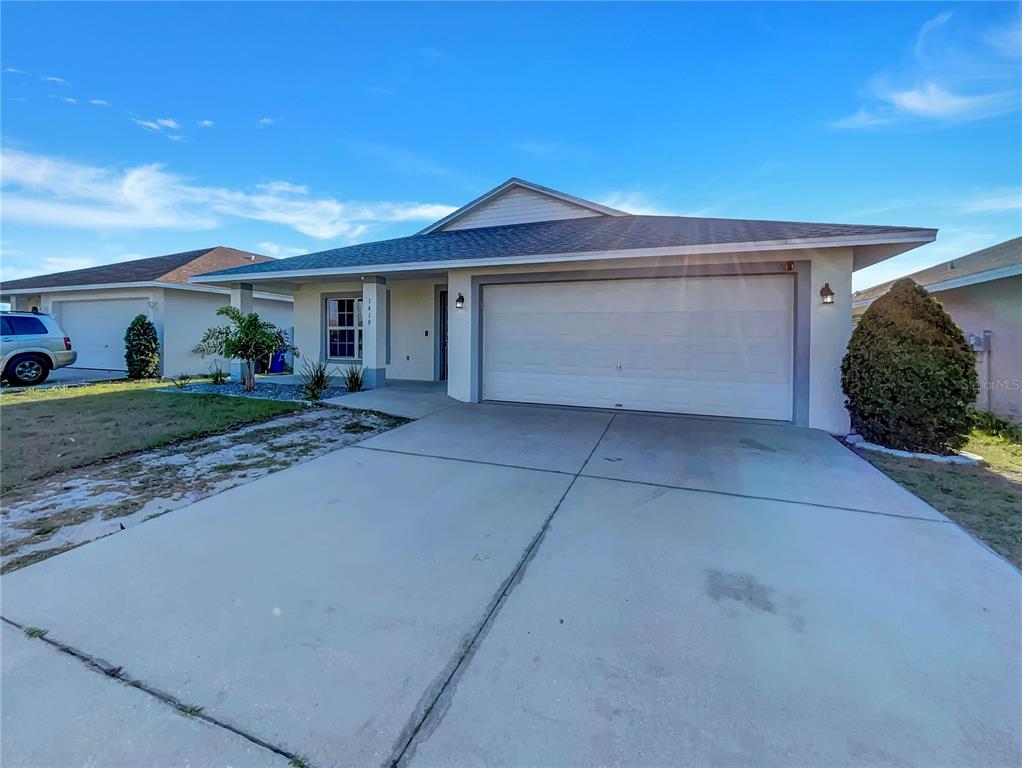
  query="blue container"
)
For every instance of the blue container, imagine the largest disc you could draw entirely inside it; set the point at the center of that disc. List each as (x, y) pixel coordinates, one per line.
(278, 363)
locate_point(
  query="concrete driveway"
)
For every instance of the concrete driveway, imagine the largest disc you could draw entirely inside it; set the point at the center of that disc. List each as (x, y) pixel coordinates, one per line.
(510, 585)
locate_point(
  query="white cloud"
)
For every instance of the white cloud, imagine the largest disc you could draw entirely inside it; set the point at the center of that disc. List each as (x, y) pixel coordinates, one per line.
(284, 187)
(949, 75)
(52, 79)
(1007, 39)
(99, 102)
(279, 251)
(13, 71)
(996, 201)
(267, 121)
(53, 191)
(206, 123)
(636, 203)
(70, 100)
(861, 119)
(930, 100)
(161, 125)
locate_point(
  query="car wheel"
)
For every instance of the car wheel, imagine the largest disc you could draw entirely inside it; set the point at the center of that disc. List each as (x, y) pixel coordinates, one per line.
(27, 370)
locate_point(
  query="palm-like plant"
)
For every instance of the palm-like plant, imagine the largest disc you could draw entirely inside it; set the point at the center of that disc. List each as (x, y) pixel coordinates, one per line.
(248, 338)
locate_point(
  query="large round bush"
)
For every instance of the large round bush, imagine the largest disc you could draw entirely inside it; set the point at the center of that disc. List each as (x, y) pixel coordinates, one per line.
(909, 375)
(141, 349)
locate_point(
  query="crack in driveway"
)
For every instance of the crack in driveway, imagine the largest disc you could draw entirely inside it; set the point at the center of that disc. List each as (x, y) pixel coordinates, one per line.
(434, 702)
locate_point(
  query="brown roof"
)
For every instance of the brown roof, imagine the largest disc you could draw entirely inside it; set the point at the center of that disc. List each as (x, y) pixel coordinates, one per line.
(172, 268)
(1004, 254)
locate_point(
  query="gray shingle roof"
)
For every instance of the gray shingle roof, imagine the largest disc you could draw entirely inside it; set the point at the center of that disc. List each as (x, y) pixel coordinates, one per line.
(597, 233)
(171, 268)
(997, 256)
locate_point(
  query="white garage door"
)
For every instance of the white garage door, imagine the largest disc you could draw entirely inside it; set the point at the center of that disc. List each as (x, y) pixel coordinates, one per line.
(97, 329)
(703, 345)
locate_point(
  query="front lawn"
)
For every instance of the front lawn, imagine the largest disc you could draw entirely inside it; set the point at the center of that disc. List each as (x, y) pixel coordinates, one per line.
(985, 500)
(43, 431)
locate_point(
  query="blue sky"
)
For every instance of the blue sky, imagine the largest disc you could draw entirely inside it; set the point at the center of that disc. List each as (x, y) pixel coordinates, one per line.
(140, 129)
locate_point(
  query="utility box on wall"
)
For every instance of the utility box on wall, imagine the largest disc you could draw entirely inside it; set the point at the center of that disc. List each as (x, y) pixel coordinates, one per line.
(979, 341)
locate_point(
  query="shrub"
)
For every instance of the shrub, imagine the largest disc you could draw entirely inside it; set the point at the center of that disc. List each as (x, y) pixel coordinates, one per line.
(315, 380)
(354, 378)
(181, 381)
(141, 349)
(248, 338)
(993, 424)
(909, 375)
(218, 375)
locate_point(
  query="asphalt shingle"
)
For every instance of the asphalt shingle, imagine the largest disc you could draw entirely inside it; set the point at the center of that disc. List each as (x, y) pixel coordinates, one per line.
(598, 233)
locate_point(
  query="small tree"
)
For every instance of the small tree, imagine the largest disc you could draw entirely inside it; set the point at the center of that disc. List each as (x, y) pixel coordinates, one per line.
(141, 349)
(247, 338)
(909, 375)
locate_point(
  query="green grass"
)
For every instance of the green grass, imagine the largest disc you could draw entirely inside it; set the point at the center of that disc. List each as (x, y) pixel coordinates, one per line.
(985, 500)
(45, 431)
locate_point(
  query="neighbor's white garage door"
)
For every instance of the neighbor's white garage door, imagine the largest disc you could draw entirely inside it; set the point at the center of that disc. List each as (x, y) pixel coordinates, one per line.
(97, 329)
(701, 345)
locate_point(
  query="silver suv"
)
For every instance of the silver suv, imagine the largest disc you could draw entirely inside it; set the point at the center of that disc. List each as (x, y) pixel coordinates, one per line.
(32, 345)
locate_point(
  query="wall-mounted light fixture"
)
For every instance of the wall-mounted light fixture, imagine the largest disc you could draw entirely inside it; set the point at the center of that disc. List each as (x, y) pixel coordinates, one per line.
(826, 294)
(459, 303)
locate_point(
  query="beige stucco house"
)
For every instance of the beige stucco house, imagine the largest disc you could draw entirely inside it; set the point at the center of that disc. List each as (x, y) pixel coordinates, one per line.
(527, 294)
(983, 294)
(95, 305)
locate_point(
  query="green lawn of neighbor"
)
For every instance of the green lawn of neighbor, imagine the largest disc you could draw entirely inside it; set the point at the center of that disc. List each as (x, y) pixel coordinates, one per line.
(985, 500)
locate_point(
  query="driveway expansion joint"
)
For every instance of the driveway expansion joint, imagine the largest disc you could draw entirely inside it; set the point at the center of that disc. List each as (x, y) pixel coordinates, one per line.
(580, 473)
(422, 724)
(469, 461)
(821, 505)
(107, 669)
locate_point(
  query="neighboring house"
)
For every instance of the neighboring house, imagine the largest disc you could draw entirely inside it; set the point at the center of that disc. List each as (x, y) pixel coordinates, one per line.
(530, 295)
(95, 305)
(983, 294)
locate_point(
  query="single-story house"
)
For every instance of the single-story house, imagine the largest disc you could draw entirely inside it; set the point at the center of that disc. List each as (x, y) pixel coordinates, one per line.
(527, 294)
(95, 305)
(983, 294)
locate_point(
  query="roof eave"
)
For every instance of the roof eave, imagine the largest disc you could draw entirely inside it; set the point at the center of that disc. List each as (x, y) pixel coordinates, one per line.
(1012, 270)
(904, 241)
(191, 285)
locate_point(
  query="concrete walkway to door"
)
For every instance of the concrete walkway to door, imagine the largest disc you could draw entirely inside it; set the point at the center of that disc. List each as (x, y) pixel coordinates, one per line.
(522, 585)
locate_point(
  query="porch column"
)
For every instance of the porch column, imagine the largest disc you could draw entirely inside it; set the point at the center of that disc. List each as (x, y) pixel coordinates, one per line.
(241, 297)
(374, 331)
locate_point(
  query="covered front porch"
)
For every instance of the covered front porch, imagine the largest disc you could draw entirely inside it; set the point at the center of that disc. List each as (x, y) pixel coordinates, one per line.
(394, 328)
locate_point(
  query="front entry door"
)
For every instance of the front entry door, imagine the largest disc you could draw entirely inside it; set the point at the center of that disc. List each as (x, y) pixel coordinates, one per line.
(442, 335)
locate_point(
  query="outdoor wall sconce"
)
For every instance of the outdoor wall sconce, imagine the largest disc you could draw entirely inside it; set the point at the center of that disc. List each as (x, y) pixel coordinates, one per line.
(826, 294)
(459, 303)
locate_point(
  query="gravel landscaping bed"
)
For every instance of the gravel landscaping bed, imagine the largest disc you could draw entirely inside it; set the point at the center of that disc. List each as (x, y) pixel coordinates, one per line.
(263, 391)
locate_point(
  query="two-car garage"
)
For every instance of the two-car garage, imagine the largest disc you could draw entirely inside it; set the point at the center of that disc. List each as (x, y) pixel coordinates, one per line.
(714, 345)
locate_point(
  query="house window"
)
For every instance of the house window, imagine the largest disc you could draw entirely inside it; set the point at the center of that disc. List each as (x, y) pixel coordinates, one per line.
(344, 328)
